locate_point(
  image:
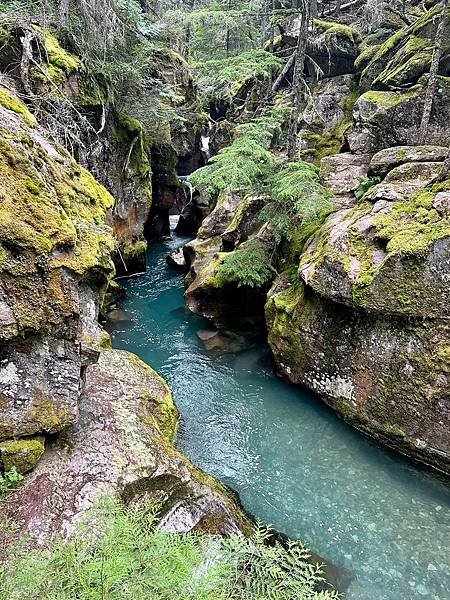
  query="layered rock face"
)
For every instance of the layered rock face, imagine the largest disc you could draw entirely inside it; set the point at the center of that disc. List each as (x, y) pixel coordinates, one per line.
(55, 249)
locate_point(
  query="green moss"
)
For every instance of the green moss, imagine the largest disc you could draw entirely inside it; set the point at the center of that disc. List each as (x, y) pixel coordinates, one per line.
(409, 63)
(366, 56)
(55, 210)
(47, 416)
(330, 142)
(22, 454)
(57, 56)
(338, 29)
(426, 19)
(90, 92)
(382, 56)
(410, 58)
(391, 99)
(129, 132)
(413, 225)
(11, 102)
(134, 250)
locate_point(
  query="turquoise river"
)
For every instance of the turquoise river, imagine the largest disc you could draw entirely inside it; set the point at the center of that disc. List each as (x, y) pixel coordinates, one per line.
(294, 464)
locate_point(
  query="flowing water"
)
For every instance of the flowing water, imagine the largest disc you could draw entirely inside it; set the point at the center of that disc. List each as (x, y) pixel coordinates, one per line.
(293, 462)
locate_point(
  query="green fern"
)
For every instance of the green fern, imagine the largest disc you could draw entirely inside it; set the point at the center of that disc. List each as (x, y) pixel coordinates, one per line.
(246, 266)
(120, 554)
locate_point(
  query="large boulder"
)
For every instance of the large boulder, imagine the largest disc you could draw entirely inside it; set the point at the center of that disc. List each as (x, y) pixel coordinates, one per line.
(343, 173)
(385, 375)
(382, 119)
(385, 160)
(121, 446)
(390, 259)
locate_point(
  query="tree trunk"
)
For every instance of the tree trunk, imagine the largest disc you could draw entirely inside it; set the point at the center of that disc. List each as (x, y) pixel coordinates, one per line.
(228, 32)
(297, 79)
(434, 71)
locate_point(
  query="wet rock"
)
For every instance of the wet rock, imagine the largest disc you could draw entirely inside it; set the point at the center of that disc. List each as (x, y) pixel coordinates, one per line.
(223, 341)
(118, 316)
(176, 259)
(368, 330)
(120, 445)
(204, 335)
(385, 160)
(195, 209)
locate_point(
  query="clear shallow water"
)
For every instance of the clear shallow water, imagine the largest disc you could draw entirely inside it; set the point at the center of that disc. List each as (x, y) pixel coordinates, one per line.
(293, 462)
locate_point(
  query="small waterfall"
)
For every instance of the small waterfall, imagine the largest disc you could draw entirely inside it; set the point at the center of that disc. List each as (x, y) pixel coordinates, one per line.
(188, 185)
(204, 146)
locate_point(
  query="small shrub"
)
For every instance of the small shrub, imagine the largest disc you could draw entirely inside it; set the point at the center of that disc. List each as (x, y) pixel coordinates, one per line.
(9, 480)
(364, 186)
(296, 198)
(247, 266)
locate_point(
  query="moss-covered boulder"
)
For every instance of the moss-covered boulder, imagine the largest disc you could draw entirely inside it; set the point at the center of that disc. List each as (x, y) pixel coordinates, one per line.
(332, 49)
(382, 119)
(387, 376)
(327, 118)
(366, 327)
(23, 454)
(120, 446)
(391, 258)
(405, 56)
(228, 228)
